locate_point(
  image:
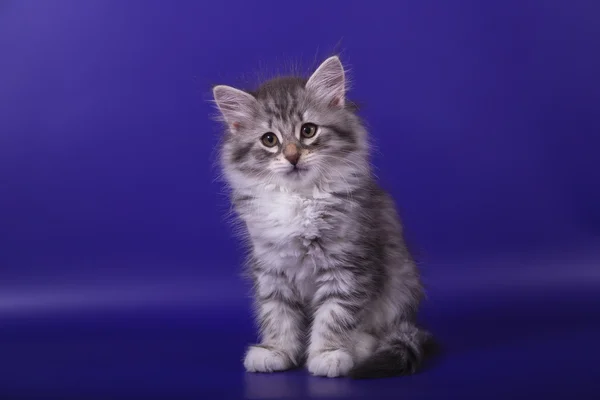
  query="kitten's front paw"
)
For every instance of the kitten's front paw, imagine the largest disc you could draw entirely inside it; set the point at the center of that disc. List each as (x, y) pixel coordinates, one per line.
(331, 363)
(265, 359)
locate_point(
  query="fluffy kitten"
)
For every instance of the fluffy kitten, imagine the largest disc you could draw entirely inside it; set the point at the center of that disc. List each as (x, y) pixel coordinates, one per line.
(335, 285)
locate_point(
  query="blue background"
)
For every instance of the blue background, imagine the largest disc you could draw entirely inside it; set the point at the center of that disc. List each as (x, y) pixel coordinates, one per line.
(119, 274)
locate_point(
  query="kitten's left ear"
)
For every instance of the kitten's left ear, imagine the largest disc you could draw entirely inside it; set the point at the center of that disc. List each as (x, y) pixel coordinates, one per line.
(328, 82)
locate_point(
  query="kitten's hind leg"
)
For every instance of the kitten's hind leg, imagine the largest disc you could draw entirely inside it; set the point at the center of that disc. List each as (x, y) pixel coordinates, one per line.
(282, 322)
(365, 345)
(401, 352)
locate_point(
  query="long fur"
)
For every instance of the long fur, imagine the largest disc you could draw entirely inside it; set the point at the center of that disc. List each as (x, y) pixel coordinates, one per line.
(335, 286)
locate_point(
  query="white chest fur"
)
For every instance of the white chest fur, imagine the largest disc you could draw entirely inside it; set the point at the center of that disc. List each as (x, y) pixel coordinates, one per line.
(286, 219)
(284, 227)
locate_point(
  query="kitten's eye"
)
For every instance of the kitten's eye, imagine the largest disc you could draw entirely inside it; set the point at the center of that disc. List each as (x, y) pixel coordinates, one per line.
(269, 139)
(308, 130)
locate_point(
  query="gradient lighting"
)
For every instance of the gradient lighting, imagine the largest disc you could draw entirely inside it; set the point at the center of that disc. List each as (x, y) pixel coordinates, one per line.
(119, 273)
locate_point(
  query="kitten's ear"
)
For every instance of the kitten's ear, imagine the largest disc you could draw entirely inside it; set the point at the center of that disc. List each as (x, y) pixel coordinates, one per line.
(328, 82)
(237, 107)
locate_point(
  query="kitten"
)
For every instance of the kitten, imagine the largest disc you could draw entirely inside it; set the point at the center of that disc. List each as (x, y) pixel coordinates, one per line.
(334, 283)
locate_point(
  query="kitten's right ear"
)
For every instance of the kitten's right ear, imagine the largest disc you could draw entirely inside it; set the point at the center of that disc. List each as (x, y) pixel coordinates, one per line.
(237, 107)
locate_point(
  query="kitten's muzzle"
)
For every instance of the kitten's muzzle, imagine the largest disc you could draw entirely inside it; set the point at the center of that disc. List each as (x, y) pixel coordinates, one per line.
(291, 153)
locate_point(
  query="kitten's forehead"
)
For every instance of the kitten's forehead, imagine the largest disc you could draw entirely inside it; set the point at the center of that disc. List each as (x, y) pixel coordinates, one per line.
(281, 99)
(278, 89)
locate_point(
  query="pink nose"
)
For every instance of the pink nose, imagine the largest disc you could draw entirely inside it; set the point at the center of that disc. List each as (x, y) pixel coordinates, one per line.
(291, 153)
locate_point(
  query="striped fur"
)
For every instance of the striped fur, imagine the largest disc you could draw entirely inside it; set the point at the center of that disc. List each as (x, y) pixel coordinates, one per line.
(335, 286)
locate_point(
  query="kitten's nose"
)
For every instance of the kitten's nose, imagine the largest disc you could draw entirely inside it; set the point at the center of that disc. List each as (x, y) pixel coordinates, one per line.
(291, 153)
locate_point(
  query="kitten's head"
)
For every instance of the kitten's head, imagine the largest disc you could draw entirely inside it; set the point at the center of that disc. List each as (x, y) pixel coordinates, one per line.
(292, 132)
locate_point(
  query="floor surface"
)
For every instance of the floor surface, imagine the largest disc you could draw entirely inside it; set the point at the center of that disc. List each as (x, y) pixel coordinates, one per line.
(527, 329)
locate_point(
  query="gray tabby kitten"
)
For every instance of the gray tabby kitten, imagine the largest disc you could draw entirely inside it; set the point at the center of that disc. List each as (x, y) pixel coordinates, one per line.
(335, 285)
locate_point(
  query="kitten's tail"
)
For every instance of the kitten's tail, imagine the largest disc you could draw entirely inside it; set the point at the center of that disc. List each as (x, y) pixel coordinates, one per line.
(401, 353)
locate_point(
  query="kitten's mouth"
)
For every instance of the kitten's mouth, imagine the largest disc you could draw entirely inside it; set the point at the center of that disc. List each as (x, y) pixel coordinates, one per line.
(296, 171)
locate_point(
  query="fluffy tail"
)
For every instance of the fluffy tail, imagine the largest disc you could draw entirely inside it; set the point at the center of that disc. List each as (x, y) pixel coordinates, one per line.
(401, 353)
